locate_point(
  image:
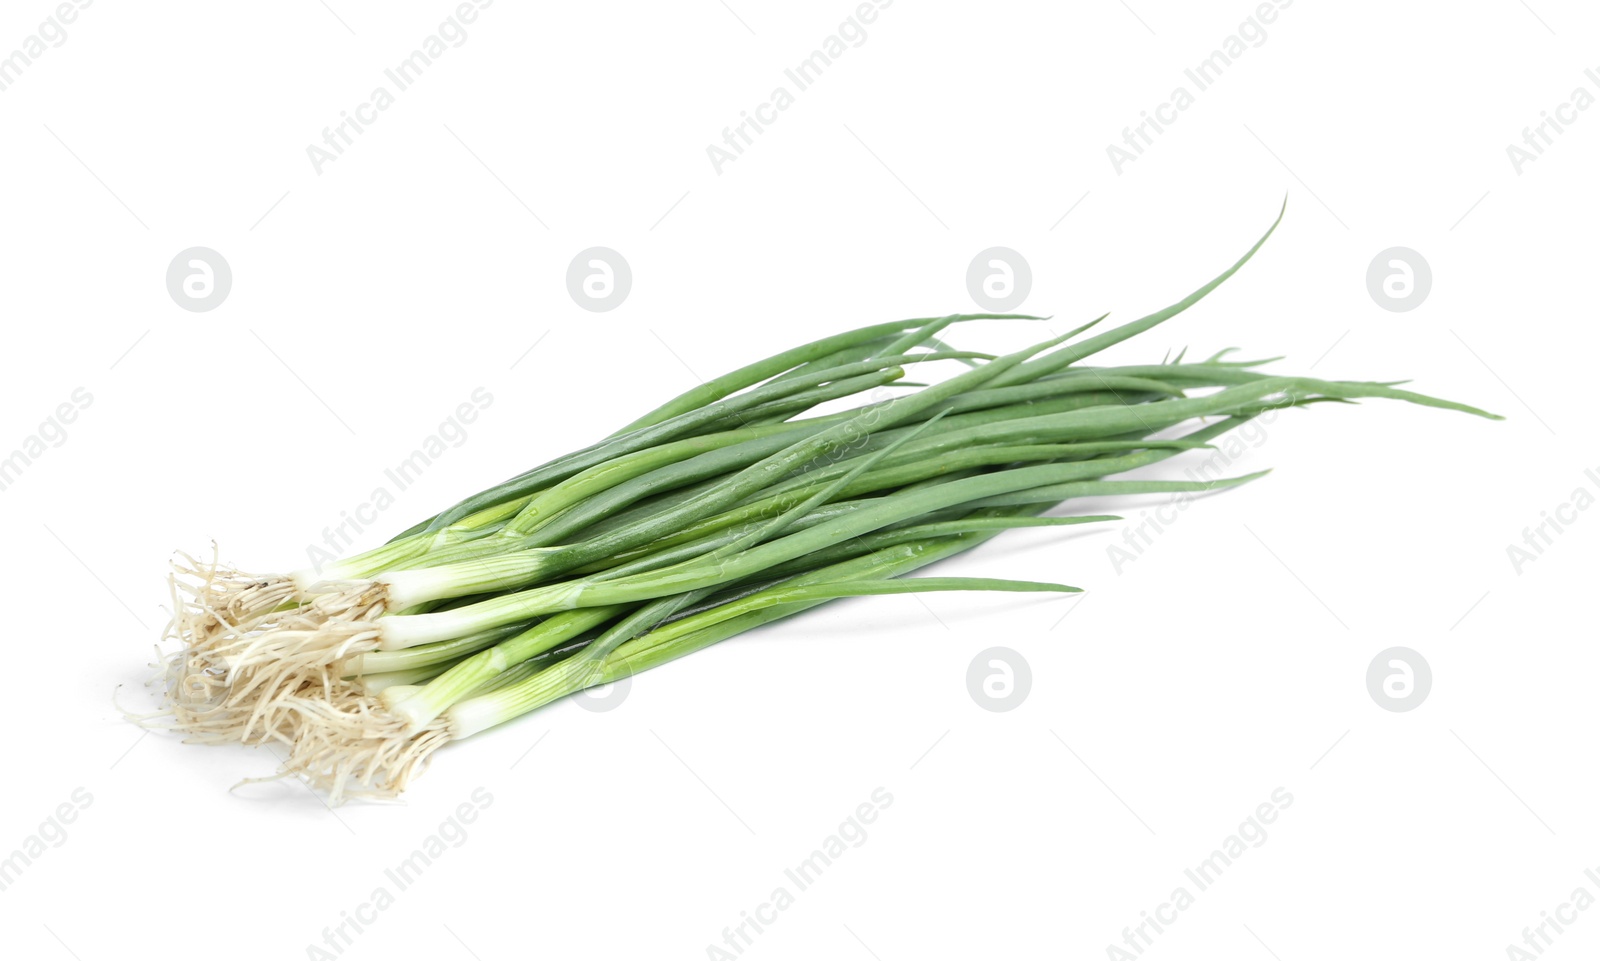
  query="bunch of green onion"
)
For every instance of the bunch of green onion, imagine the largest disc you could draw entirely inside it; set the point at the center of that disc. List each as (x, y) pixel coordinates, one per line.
(730, 506)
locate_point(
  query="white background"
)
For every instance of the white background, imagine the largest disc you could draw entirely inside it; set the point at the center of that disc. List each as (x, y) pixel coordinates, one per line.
(1167, 703)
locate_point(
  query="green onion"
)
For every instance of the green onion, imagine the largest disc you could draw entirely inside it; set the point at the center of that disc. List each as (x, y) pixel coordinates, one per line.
(730, 506)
